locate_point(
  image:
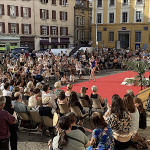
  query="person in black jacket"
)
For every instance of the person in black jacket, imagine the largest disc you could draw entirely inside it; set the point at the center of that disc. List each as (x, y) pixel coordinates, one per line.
(142, 120)
(46, 110)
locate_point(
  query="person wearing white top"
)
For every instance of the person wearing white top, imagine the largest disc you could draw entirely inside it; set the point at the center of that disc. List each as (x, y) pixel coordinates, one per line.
(72, 78)
(6, 91)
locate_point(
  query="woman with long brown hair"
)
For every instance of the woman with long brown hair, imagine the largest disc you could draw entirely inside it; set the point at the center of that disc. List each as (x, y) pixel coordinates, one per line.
(142, 113)
(129, 104)
(102, 133)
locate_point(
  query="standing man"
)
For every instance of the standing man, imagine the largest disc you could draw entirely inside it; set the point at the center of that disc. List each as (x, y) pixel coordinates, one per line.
(5, 120)
(33, 55)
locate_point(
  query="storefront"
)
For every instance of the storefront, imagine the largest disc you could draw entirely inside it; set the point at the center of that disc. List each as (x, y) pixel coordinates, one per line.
(55, 43)
(44, 43)
(7, 43)
(64, 42)
(27, 42)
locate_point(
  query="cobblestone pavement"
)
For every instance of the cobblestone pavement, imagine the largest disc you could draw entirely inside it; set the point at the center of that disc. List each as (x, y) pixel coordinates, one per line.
(34, 141)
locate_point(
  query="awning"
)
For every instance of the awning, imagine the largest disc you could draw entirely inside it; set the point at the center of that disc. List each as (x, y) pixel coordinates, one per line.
(56, 43)
(45, 42)
(64, 43)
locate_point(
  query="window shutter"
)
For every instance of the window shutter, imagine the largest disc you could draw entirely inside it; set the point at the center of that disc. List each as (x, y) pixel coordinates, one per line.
(53, 1)
(46, 1)
(9, 27)
(47, 14)
(51, 30)
(66, 1)
(66, 16)
(66, 31)
(30, 31)
(41, 30)
(29, 11)
(2, 9)
(40, 13)
(41, 1)
(22, 28)
(60, 31)
(53, 14)
(56, 30)
(3, 27)
(21, 11)
(60, 2)
(8, 10)
(17, 14)
(47, 30)
(17, 26)
(60, 15)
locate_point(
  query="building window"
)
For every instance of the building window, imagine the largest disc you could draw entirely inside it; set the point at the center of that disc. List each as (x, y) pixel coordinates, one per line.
(63, 2)
(77, 35)
(111, 17)
(99, 18)
(54, 2)
(137, 36)
(99, 3)
(1, 28)
(26, 29)
(124, 17)
(89, 35)
(53, 30)
(82, 11)
(77, 20)
(112, 3)
(138, 16)
(139, 2)
(80, 35)
(80, 21)
(98, 36)
(63, 16)
(83, 34)
(111, 36)
(44, 30)
(63, 30)
(83, 20)
(44, 1)
(12, 10)
(25, 12)
(44, 13)
(125, 2)
(13, 29)
(0, 9)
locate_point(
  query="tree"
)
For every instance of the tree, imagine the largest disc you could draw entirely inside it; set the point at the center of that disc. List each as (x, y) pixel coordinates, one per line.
(140, 67)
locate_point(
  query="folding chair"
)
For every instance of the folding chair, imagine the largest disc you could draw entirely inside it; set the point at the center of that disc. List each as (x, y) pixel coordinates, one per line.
(63, 108)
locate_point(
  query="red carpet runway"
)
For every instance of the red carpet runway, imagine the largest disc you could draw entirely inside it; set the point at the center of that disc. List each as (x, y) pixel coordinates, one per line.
(109, 85)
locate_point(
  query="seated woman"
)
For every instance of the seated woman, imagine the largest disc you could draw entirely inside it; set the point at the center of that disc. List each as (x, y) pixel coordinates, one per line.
(120, 122)
(73, 101)
(67, 138)
(72, 78)
(63, 79)
(94, 95)
(62, 98)
(37, 94)
(102, 133)
(115, 63)
(57, 85)
(84, 96)
(73, 120)
(32, 103)
(142, 113)
(30, 85)
(69, 89)
(129, 104)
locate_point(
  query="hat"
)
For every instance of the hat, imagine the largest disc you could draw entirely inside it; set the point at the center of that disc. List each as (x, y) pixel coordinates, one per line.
(46, 100)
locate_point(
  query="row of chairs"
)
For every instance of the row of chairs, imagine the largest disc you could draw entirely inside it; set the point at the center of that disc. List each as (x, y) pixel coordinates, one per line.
(34, 116)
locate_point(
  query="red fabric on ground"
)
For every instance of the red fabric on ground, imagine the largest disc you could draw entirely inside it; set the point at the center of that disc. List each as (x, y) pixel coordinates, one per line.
(109, 85)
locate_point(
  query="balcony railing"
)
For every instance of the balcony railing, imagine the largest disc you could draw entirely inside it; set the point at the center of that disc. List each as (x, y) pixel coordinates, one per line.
(110, 5)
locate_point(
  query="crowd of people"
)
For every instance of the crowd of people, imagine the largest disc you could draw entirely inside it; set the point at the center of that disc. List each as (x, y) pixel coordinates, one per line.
(24, 87)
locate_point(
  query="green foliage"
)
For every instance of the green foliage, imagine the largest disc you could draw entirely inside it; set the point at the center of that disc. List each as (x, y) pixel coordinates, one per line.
(140, 67)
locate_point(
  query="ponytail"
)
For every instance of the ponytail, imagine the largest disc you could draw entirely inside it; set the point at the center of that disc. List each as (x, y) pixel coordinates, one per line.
(63, 140)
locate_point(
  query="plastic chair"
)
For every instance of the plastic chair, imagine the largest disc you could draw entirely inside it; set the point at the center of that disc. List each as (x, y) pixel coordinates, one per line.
(97, 105)
(63, 108)
(36, 117)
(76, 110)
(85, 103)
